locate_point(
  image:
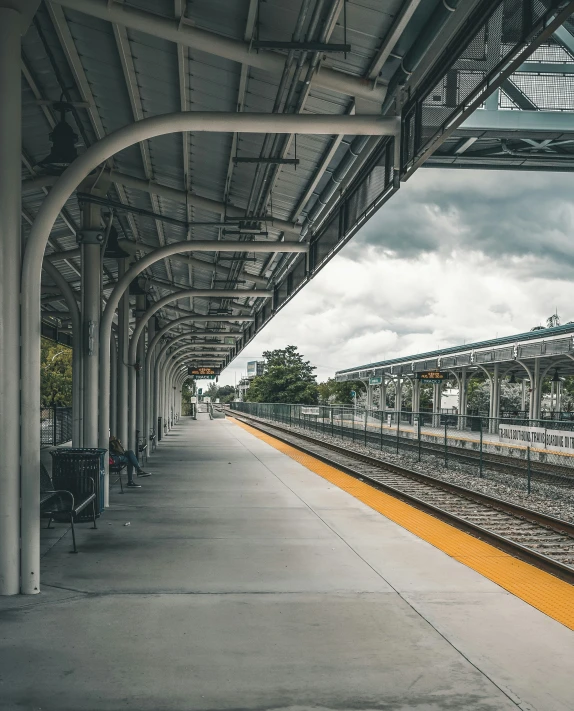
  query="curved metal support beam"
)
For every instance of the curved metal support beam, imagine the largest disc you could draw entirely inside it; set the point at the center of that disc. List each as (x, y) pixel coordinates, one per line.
(152, 409)
(188, 198)
(94, 156)
(141, 324)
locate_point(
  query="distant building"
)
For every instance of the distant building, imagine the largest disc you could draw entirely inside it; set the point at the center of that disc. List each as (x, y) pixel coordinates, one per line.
(255, 368)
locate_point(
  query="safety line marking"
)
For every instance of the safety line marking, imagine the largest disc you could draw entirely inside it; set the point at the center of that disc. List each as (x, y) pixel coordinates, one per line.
(550, 595)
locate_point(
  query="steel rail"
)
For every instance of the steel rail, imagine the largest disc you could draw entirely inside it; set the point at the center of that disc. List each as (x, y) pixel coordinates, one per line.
(527, 554)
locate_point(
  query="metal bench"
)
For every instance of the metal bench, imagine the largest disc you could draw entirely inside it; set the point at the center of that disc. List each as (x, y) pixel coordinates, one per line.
(117, 468)
(61, 506)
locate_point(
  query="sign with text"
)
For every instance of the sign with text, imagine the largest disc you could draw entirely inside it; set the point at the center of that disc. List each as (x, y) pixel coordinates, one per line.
(375, 380)
(538, 437)
(199, 370)
(310, 411)
(204, 377)
(431, 376)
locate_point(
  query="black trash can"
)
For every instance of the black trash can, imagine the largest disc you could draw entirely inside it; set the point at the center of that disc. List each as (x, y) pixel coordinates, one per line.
(74, 469)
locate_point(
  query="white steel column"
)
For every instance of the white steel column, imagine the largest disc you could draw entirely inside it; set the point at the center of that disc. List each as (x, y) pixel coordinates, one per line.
(462, 398)
(10, 179)
(123, 343)
(536, 392)
(436, 403)
(92, 237)
(416, 395)
(141, 393)
(383, 396)
(149, 392)
(399, 394)
(114, 384)
(369, 400)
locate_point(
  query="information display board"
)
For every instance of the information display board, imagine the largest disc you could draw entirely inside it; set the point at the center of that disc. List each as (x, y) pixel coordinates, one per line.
(375, 380)
(199, 371)
(432, 376)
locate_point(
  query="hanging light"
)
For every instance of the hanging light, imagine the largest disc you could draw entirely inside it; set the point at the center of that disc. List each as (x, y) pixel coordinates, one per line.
(512, 380)
(113, 249)
(556, 378)
(63, 141)
(136, 289)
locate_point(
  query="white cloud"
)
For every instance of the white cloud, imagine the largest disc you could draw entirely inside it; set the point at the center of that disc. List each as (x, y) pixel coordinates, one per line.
(456, 283)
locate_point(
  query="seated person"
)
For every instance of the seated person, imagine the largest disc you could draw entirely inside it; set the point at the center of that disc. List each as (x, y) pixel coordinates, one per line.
(120, 455)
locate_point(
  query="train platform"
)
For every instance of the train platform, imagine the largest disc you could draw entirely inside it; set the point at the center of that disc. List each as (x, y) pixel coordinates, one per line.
(244, 576)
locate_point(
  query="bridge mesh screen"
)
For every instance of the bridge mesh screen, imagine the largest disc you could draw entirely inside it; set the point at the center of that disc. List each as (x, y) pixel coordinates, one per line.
(369, 190)
(467, 68)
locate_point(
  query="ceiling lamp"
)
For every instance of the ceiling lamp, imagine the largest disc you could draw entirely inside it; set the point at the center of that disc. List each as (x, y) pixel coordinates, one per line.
(556, 378)
(113, 249)
(136, 289)
(512, 380)
(63, 141)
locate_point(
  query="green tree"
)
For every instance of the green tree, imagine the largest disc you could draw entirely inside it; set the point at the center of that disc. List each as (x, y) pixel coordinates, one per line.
(339, 393)
(478, 395)
(55, 374)
(287, 378)
(226, 393)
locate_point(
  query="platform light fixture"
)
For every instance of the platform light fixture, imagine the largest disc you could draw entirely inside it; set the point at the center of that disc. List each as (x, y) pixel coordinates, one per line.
(113, 249)
(512, 380)
(63, 139)
(556, 378)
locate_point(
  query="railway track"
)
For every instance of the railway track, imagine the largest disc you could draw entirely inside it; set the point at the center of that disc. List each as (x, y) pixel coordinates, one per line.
(540, 471)
(536, 538)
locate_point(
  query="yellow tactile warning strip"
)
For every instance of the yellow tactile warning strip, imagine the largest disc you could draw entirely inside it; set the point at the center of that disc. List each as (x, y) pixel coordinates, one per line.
(543, 591)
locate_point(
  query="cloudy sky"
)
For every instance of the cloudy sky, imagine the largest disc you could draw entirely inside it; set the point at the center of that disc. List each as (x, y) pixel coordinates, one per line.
(454, 257)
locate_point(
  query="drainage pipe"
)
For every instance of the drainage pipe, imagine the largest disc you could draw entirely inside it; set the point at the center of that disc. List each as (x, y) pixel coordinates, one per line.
(334, 183)
(211, 43)
(417, 52)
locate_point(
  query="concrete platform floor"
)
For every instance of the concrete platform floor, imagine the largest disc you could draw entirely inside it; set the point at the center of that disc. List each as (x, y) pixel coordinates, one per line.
(245, 581)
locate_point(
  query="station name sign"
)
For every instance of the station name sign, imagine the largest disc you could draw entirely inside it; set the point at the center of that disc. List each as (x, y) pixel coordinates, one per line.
(538, 437)
(431, 376)
(201, 372)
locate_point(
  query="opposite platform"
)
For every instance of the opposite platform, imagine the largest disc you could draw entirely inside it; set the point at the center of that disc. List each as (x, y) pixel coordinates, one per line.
(245, 581)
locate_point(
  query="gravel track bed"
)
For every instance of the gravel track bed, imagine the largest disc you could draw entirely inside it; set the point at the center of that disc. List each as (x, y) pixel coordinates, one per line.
(545, 498)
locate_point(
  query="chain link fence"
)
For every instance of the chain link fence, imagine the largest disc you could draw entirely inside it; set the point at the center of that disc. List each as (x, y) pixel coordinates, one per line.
(55, 426)
(530, 450)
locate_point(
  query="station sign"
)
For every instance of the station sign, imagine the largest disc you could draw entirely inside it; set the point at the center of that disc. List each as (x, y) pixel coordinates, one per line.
(432, 376)
(375, 380)
(315, 411)
(204, 377)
